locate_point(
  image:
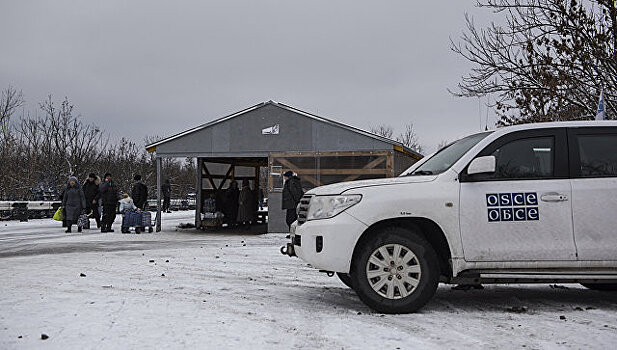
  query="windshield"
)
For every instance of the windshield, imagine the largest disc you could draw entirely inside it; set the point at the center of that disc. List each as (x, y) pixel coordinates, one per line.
(445, 157)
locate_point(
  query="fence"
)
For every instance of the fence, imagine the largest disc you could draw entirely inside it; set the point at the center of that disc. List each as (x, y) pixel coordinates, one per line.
(24, 210)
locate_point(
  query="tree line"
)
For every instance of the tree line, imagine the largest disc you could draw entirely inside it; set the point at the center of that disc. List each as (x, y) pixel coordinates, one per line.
(40, 149)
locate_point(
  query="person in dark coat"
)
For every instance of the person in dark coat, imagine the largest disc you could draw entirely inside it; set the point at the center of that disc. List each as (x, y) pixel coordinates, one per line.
(245, 204)
(232, 195)
(260, 198)
(92, 194)
(292, 193)
(139, 193)
(166, 189)
(73, 202)
(109, 196)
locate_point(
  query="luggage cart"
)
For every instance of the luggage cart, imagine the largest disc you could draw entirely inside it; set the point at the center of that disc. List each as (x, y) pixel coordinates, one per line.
(141, 221)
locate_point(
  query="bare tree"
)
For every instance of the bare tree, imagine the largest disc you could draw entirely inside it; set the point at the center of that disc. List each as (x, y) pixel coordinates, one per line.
(549, 61)
(383, 130)
(409, 138)
(10, 101)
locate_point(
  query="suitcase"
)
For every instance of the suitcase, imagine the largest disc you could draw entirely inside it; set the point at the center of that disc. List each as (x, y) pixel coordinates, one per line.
(146, 219)
(132, 218)
(83, 221)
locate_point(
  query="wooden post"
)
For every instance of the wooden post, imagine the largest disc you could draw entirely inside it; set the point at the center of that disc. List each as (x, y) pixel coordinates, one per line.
(159, 178)
(199, 201)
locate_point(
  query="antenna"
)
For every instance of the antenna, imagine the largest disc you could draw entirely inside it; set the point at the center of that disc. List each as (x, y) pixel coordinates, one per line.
(486, 124)
(480, 111)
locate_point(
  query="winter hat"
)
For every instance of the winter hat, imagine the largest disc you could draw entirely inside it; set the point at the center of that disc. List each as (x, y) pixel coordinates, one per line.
(92, 176)
(126, 195)
(288, 173)
(106, 175)
(72, 178)
(137, 177)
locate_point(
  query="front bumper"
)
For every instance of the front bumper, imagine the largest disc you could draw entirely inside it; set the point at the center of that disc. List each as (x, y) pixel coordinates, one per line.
(327, 244)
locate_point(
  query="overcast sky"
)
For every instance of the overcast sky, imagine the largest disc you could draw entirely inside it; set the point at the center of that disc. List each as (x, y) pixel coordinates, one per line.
(140, 68)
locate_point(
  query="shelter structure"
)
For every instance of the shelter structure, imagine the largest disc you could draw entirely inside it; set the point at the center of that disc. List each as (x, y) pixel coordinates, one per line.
(280, 137)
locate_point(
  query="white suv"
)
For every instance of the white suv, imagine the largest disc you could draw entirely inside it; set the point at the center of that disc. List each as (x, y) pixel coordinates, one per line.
(533, 203)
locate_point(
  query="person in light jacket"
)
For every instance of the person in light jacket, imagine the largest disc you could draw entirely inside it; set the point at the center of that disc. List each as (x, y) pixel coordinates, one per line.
(73, 202)
(126, 203)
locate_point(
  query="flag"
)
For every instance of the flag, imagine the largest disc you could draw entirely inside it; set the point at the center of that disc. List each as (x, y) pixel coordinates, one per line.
(601, 113)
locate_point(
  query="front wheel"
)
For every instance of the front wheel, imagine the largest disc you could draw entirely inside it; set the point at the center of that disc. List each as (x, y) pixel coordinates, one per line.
(397, 271)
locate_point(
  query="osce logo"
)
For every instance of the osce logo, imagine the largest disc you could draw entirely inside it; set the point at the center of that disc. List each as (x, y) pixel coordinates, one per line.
(512, 206)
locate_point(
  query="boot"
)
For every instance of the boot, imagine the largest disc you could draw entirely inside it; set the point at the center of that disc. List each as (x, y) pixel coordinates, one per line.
(103, 228)
(109, 228)
(78, 228)
(68, 226)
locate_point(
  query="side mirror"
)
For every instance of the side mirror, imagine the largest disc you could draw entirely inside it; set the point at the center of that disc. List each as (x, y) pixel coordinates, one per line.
(482, 165)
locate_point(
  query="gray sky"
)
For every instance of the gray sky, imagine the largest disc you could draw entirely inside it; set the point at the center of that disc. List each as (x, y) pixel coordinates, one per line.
(140, 68)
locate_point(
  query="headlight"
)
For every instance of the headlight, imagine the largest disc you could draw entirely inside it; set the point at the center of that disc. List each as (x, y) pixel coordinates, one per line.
(324, 207)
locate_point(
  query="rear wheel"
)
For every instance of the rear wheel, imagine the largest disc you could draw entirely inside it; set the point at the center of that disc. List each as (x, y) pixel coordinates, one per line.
(601, 286)
(396, 272)
(345, 278)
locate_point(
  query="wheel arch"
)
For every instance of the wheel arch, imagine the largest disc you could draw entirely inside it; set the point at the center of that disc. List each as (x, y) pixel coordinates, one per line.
(425, 227)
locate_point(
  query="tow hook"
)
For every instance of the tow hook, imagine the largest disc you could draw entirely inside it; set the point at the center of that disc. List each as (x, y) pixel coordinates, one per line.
(288, 249)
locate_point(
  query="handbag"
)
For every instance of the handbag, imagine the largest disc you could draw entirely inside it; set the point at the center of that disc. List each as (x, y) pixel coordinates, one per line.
(83, 221)
(59, 215)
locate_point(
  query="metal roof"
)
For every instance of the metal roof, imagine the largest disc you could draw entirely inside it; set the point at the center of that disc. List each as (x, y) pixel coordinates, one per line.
(398, 145)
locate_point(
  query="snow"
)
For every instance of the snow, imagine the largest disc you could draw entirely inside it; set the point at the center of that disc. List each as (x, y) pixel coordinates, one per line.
(236, 290)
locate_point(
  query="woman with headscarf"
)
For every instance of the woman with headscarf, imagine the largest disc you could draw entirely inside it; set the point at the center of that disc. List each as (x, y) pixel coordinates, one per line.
(73, 202)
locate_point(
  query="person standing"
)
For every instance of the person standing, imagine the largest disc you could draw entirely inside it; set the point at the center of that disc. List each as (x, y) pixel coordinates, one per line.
(166, 189)
(139, 193)
(109, 196)
(245, 205)
(233, 196)
(73, 202)
(92, 194)
(292, 193)
(260, 198)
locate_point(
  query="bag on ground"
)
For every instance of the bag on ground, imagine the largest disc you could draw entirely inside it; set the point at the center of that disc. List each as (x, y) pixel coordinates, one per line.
(146, 219)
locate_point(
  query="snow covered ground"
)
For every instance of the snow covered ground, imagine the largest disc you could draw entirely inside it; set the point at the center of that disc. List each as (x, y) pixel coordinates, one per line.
(189, 289)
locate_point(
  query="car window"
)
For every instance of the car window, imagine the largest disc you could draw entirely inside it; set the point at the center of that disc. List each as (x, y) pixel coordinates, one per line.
(598, 155)
(445, 157)
(530, 158)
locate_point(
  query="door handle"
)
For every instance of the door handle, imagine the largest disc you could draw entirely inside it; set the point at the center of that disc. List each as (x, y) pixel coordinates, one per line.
(554, 197)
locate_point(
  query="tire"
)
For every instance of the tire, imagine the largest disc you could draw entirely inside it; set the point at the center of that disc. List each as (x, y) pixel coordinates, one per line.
(601, 286)
(384, 291)
(345, 278)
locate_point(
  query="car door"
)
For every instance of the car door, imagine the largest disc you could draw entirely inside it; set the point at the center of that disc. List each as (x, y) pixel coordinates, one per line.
(593, 159)
(522, 211)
